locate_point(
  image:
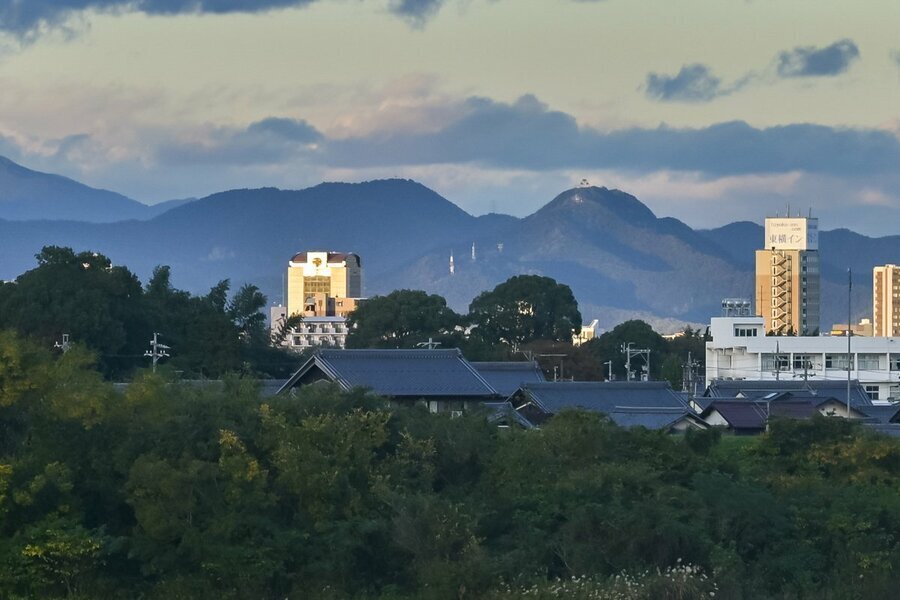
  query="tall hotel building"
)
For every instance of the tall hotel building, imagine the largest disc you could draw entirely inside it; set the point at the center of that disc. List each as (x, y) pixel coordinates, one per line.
(321, 283)
(787, 276)
(886, 301)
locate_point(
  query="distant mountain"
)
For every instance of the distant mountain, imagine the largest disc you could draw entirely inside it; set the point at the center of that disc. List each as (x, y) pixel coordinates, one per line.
(621, 260)
(618, 257)
(27, 195)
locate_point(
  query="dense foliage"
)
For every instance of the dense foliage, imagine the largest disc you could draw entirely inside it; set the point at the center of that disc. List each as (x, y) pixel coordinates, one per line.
(401, 319)
(526, 308)
(167, 490)
(104, 308)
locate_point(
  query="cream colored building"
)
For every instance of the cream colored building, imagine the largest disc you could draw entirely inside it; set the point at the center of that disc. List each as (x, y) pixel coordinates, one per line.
(886, 301)
(323, 284)
(787, 276)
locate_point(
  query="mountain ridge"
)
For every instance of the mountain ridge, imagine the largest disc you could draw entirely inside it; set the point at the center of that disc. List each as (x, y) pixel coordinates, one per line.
(619, 257)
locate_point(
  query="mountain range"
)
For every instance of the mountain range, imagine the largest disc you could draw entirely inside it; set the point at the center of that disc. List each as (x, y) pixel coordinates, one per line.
(621, 260)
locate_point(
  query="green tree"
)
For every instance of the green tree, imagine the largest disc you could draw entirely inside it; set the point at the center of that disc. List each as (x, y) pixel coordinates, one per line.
(401, 319)
(608, 346)
(83, 295)
(525, 308)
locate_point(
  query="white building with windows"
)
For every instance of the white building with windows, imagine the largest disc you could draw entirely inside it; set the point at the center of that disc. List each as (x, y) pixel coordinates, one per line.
(312, 332)
(740, 349)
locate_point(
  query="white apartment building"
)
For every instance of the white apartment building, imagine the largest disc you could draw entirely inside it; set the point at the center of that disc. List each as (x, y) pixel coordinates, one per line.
(740, 349)
(318, 331)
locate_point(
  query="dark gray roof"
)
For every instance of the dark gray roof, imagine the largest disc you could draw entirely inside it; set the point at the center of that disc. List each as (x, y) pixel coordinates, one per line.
(507, 377)
(883, 413)
(606, 396)
(399, 373)
(742, 414)
(751, 388)
(651, 418)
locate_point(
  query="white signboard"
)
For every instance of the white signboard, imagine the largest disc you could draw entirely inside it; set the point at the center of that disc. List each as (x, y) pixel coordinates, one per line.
(792, 233)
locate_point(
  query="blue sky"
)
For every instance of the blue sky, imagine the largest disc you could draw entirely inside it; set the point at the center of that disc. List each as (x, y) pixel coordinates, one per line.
(707, 110)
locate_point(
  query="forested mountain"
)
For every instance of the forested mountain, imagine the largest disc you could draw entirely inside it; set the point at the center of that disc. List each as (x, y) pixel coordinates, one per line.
(31, 195)
(620, 259)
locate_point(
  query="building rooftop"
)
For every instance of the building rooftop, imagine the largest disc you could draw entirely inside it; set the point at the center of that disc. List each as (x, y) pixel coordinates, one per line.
(759, 389)
(753, 415)
(396, 373)
(606, 396)
(507, 377)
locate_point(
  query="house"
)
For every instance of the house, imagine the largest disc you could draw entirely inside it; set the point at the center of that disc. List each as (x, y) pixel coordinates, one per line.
(745, 417)
(627, 403)
(443, 379)
(507, 377)
(756, 389)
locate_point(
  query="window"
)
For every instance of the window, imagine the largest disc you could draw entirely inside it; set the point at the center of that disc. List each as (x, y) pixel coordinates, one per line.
(745, 332)
(868, 362)
(775, 362)
(895, 362)
(317, 284)
(872, 392)
(837, 361)
(804, 361)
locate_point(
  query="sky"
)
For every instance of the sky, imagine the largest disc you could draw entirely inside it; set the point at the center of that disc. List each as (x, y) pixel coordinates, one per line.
(710, 111)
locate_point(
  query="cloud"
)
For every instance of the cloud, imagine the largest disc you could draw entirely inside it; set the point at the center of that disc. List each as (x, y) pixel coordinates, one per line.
(693, 83)
(269, 141)
(809, 61)
(529, 135)
(416, 12)
(28, 19)
(289, 129)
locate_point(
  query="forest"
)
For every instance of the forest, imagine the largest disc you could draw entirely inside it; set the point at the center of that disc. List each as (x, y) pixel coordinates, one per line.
(167, 489)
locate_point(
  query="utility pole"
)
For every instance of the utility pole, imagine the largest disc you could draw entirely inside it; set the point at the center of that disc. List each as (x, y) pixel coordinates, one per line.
(157, 351)
(610, 376)
(689, 375)
(849, 335)
(777, 362)
(629, 352)
(64, 345)
(558, 373)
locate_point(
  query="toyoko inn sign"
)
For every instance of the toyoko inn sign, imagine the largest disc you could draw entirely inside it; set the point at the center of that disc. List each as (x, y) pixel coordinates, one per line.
(792, 233)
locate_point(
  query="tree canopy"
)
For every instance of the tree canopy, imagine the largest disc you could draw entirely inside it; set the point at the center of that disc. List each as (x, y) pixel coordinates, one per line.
(104, 308)
(173, 490)
(400, 319)
(526, 308)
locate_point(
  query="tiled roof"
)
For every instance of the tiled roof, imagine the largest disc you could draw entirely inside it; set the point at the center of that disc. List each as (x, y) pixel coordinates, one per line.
(399, 373)
(507, 377)
(884, 413)
(750, 388)
(742, 414)
(651, 418)
(605, 397)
